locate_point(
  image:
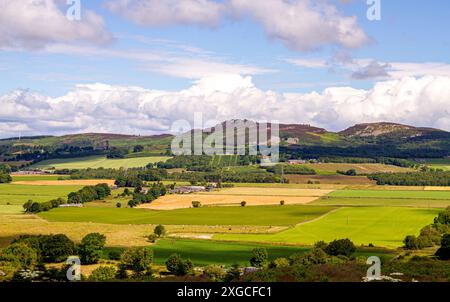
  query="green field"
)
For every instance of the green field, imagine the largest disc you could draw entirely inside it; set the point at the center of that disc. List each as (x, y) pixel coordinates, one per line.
(258, 215)
(383, 202)
(385, 227)
(19, 194)
(98, 162)
(38, 177)
(391, 194)
(206, 252)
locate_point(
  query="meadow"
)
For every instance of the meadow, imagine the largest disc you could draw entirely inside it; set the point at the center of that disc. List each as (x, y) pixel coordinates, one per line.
(98, 162)
(391, 194)
(213, 216)
(386, 227)
(383, 202)
(19, 194)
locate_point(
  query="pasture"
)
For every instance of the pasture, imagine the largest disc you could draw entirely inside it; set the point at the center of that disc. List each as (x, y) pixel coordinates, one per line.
(212, 216)
(98, 162)
(331, 168)
(383, 202)
(15, 194)
(391, 194)
(385, 227)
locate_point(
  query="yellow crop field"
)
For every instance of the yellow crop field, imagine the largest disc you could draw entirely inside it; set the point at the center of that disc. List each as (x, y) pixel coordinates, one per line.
(234, 196)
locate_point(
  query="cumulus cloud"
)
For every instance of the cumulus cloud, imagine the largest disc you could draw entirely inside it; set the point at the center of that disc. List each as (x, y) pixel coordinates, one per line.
(372, 71)
(33, 24)
(168, 12)
(135, 110)
(301, 25)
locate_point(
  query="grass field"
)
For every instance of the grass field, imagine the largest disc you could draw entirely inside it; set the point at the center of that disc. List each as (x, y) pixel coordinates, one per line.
(19, 194)
(329, 179)
(262, 215)
(385, 227)
(98, 162)
(17, 178)
(391, 194)
(327, 168)
(383, 202)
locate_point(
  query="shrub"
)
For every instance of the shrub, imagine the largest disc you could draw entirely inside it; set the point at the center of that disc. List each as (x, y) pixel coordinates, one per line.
(179, 267)
(137, 259)
(443, 252)
(56, 248)
(411, 243)
(233, 273)
(339, 247)
(214, 272)
(259, 258)
(103, 273)
(160, 230)
(152, 238)
(118, 205)
(21, 255)
(196, 204)
(282, 202)
(243, 203)
(91, 246)
(279, 262)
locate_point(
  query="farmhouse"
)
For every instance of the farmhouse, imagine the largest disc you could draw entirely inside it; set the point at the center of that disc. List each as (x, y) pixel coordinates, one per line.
(71, 205)
(188, 189)
(297, 161)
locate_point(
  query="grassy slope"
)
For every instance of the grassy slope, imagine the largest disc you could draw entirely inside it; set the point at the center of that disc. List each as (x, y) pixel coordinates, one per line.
(99, 161)
(261, 215)
(380, 226)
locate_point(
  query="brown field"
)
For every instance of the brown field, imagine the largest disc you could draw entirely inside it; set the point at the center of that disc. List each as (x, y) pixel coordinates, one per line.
(360, 168)
(116, 235)
(77, 182)
(234, 196)
(330, 179)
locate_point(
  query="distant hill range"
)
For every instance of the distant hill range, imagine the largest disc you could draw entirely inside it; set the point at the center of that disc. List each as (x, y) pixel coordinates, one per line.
(297, 140)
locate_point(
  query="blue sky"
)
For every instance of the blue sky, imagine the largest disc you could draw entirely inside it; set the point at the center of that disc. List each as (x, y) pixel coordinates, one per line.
(285, 47)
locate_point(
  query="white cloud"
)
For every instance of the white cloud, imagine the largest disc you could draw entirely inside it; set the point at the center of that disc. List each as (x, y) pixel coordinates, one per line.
(135, 110)
(33, 24)
(168, 12)
(303, 25)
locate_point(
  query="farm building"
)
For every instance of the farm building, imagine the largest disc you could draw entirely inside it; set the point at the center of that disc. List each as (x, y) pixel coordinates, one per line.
(188, 189)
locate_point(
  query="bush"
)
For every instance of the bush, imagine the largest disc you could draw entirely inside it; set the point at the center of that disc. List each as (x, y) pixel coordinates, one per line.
(152, 238)
(103, 273)
(179, 267)
(196, 204)
(340, 247)
(21, 255)
(214, 272)
(259, 258)
(279, 262)
(90, 249)
(411, 243)
(56, 248)
(160, 230)
(443, 252)
(243, 203)
(118, 205)
(138, 259)
(282, 202)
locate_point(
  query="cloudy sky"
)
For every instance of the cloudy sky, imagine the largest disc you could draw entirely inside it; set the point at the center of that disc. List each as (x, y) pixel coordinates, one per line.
(137, 66)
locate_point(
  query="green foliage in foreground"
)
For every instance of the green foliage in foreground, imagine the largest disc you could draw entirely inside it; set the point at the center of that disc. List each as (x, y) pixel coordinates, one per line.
(428, 178)
(258, 215)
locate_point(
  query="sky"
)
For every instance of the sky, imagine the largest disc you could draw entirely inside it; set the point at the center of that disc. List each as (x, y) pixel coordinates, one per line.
(139, 66)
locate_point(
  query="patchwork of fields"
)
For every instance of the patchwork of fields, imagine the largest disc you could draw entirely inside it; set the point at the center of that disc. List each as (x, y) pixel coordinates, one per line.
(99, 162)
